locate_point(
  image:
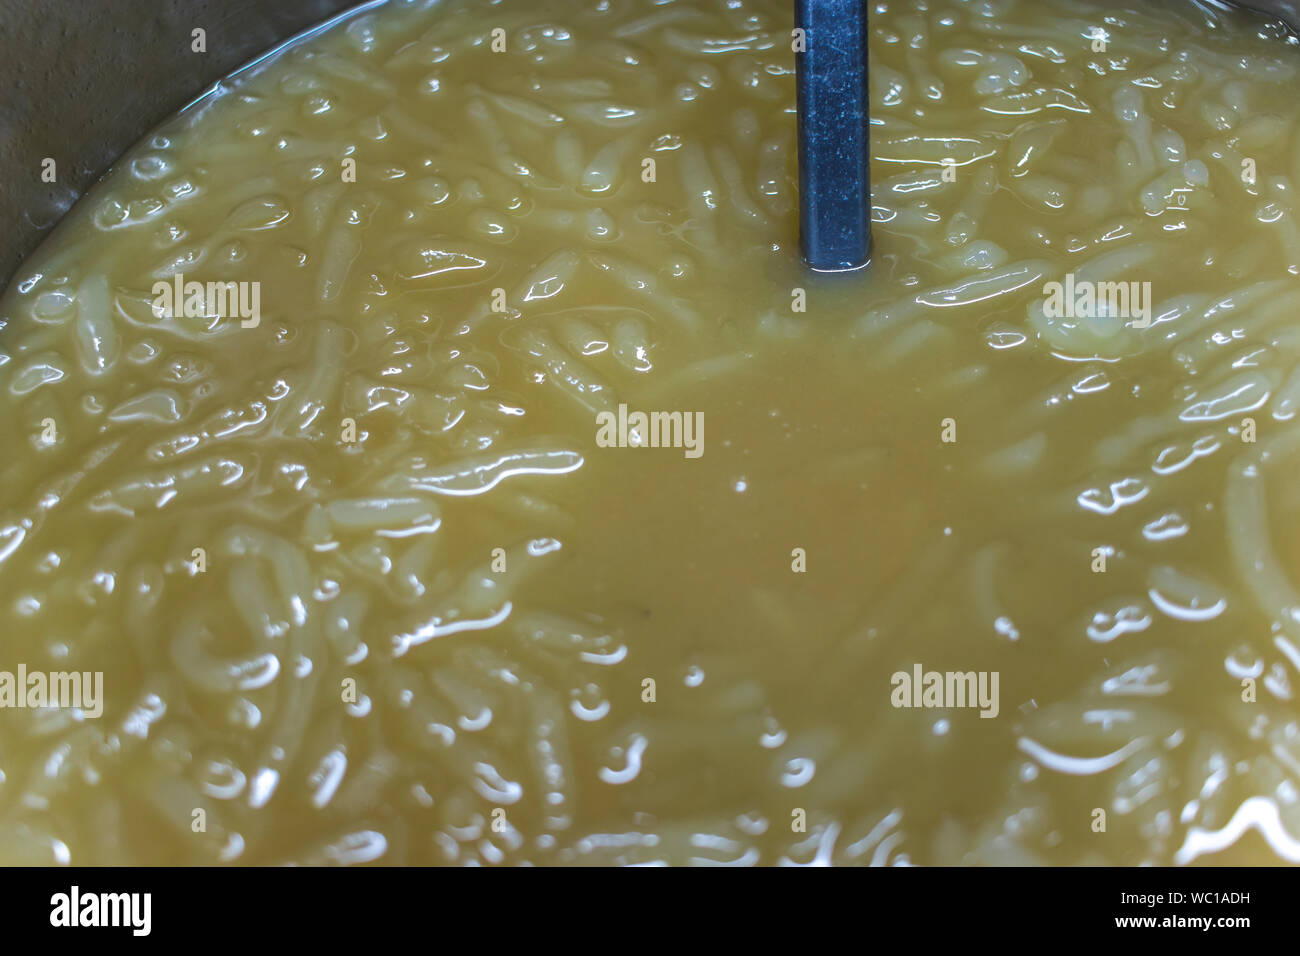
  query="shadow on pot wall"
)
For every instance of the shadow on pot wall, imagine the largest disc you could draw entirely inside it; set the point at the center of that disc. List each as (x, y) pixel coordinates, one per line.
(84, 81)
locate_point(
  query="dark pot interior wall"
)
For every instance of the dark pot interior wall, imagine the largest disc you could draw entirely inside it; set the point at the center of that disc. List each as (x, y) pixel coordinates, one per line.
(84, 79)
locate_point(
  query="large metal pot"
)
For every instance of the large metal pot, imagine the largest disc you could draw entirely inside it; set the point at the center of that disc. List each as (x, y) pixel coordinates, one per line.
(85, 80)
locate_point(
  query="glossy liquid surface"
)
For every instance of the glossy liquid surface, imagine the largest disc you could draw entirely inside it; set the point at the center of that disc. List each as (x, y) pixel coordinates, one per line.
(427, 601)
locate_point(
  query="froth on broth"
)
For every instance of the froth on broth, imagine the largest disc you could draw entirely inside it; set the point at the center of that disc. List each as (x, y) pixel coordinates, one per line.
(981, 547)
